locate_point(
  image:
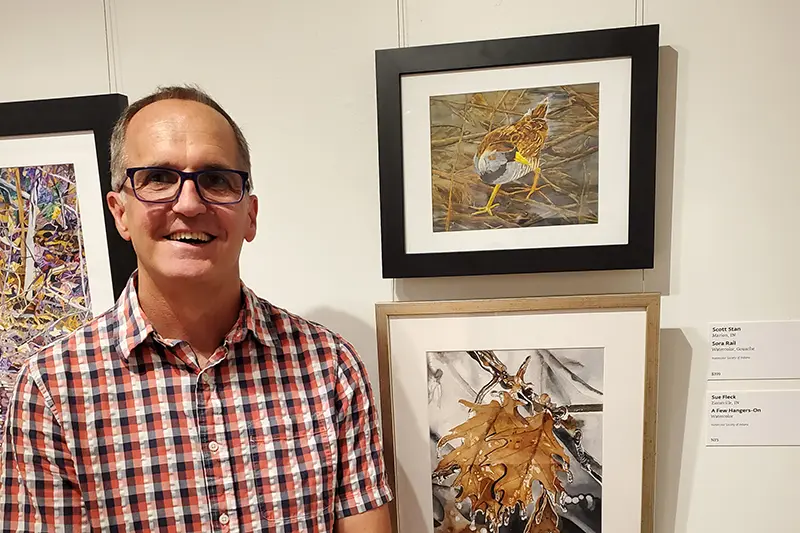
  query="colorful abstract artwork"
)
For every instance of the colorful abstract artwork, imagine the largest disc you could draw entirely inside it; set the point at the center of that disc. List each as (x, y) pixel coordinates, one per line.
(515, 158)
(44, 287)
(516, 440)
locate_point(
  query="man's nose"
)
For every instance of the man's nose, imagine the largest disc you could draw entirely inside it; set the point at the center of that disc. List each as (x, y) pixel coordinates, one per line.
(189, 202)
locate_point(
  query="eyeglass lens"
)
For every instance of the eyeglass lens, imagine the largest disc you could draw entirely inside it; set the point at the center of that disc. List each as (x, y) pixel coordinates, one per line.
(157, 185)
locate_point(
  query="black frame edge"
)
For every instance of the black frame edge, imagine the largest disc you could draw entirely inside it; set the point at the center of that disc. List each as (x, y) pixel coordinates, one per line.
(95, 113)
(638, 42)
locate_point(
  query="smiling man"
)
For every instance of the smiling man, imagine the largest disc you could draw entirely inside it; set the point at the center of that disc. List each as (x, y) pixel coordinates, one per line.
(192, 404)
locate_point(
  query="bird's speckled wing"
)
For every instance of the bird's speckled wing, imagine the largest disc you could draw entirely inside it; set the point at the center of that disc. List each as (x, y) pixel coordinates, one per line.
(512, 151)
(529, 137)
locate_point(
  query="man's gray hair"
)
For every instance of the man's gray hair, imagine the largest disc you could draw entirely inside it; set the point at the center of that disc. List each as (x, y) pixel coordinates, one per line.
(174, 92)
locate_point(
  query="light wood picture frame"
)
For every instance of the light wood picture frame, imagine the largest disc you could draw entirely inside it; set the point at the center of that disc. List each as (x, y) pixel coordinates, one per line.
(507, 414)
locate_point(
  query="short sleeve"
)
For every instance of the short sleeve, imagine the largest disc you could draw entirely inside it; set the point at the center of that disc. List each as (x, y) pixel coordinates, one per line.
(362, 480)
(39, 489)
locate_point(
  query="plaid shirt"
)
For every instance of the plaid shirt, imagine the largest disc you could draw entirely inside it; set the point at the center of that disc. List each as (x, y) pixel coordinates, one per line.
(114, 428)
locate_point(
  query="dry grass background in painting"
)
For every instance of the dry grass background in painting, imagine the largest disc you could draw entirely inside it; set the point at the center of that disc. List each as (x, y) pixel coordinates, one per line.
(568, 192)
(44, 284)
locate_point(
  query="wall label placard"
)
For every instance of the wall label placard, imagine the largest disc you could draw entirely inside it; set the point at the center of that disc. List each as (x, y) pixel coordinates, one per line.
(752, 418)
(755, 350)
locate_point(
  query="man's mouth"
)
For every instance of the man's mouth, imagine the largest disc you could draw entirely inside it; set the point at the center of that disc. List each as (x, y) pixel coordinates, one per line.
(193, 237)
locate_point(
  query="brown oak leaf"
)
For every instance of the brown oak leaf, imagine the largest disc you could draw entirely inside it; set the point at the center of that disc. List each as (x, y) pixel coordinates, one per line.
(501, 456)
(453, 521)
(530, 453)
(544, 519)
(476, 473)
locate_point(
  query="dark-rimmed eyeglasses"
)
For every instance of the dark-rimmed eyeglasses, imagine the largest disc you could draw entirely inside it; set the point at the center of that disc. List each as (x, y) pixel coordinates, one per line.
(161, 185)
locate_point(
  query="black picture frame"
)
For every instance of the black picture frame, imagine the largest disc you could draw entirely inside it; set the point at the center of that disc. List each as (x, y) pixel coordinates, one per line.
(93, 113)
(640, 43)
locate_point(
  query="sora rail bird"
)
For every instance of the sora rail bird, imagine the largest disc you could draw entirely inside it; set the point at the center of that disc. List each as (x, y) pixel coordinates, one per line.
(510, 152)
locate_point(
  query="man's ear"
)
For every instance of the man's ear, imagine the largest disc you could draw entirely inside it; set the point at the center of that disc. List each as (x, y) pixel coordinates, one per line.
(252, 215)
(116, 204)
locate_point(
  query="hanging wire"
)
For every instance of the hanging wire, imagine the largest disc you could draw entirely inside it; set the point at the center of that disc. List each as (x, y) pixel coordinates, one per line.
(402, 29)
(110, 49)
(640, 22)
(402, 42)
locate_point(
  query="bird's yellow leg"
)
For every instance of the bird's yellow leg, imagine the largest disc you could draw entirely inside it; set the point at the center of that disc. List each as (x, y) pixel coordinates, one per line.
(489, 205)
(536, 173)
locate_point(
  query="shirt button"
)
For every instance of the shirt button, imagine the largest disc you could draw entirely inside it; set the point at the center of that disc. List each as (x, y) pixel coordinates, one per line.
(213, 446)
(223, 519)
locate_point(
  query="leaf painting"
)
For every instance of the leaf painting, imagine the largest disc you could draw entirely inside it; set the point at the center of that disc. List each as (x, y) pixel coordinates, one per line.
(501, 455)
(44, 284)
(516, 440)
(545, 519)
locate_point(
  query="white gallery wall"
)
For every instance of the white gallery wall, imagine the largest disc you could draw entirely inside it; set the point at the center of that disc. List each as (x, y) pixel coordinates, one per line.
(299, 78)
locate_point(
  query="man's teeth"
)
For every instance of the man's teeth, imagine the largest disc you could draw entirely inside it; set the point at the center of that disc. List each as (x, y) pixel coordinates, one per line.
(190, 236)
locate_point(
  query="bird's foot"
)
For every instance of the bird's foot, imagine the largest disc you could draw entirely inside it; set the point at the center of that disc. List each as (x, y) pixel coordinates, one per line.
(486, 209)
(528, 191)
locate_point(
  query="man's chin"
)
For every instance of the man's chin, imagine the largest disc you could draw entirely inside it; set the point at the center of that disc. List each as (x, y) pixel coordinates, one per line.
(187, 272)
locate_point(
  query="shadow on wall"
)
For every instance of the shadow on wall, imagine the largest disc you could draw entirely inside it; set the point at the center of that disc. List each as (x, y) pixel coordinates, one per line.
(357, 332)
(519, 285)
(595, 282)
(658, 279)
(675, 369)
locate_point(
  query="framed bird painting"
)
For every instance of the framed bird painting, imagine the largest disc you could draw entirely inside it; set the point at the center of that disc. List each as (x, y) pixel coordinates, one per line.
(520, 155)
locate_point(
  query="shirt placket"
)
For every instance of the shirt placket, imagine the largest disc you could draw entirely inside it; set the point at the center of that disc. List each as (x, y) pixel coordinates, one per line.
(216, 451)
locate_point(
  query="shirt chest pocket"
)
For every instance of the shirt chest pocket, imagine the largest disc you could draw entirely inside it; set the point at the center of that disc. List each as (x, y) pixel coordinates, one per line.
(295, 469)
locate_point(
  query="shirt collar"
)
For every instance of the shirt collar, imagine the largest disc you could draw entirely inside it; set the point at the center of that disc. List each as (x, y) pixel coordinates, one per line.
(135, 328)
(256, 317)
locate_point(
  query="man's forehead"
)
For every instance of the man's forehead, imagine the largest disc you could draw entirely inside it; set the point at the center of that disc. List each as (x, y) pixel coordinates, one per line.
(178, 114)
(168, 122)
